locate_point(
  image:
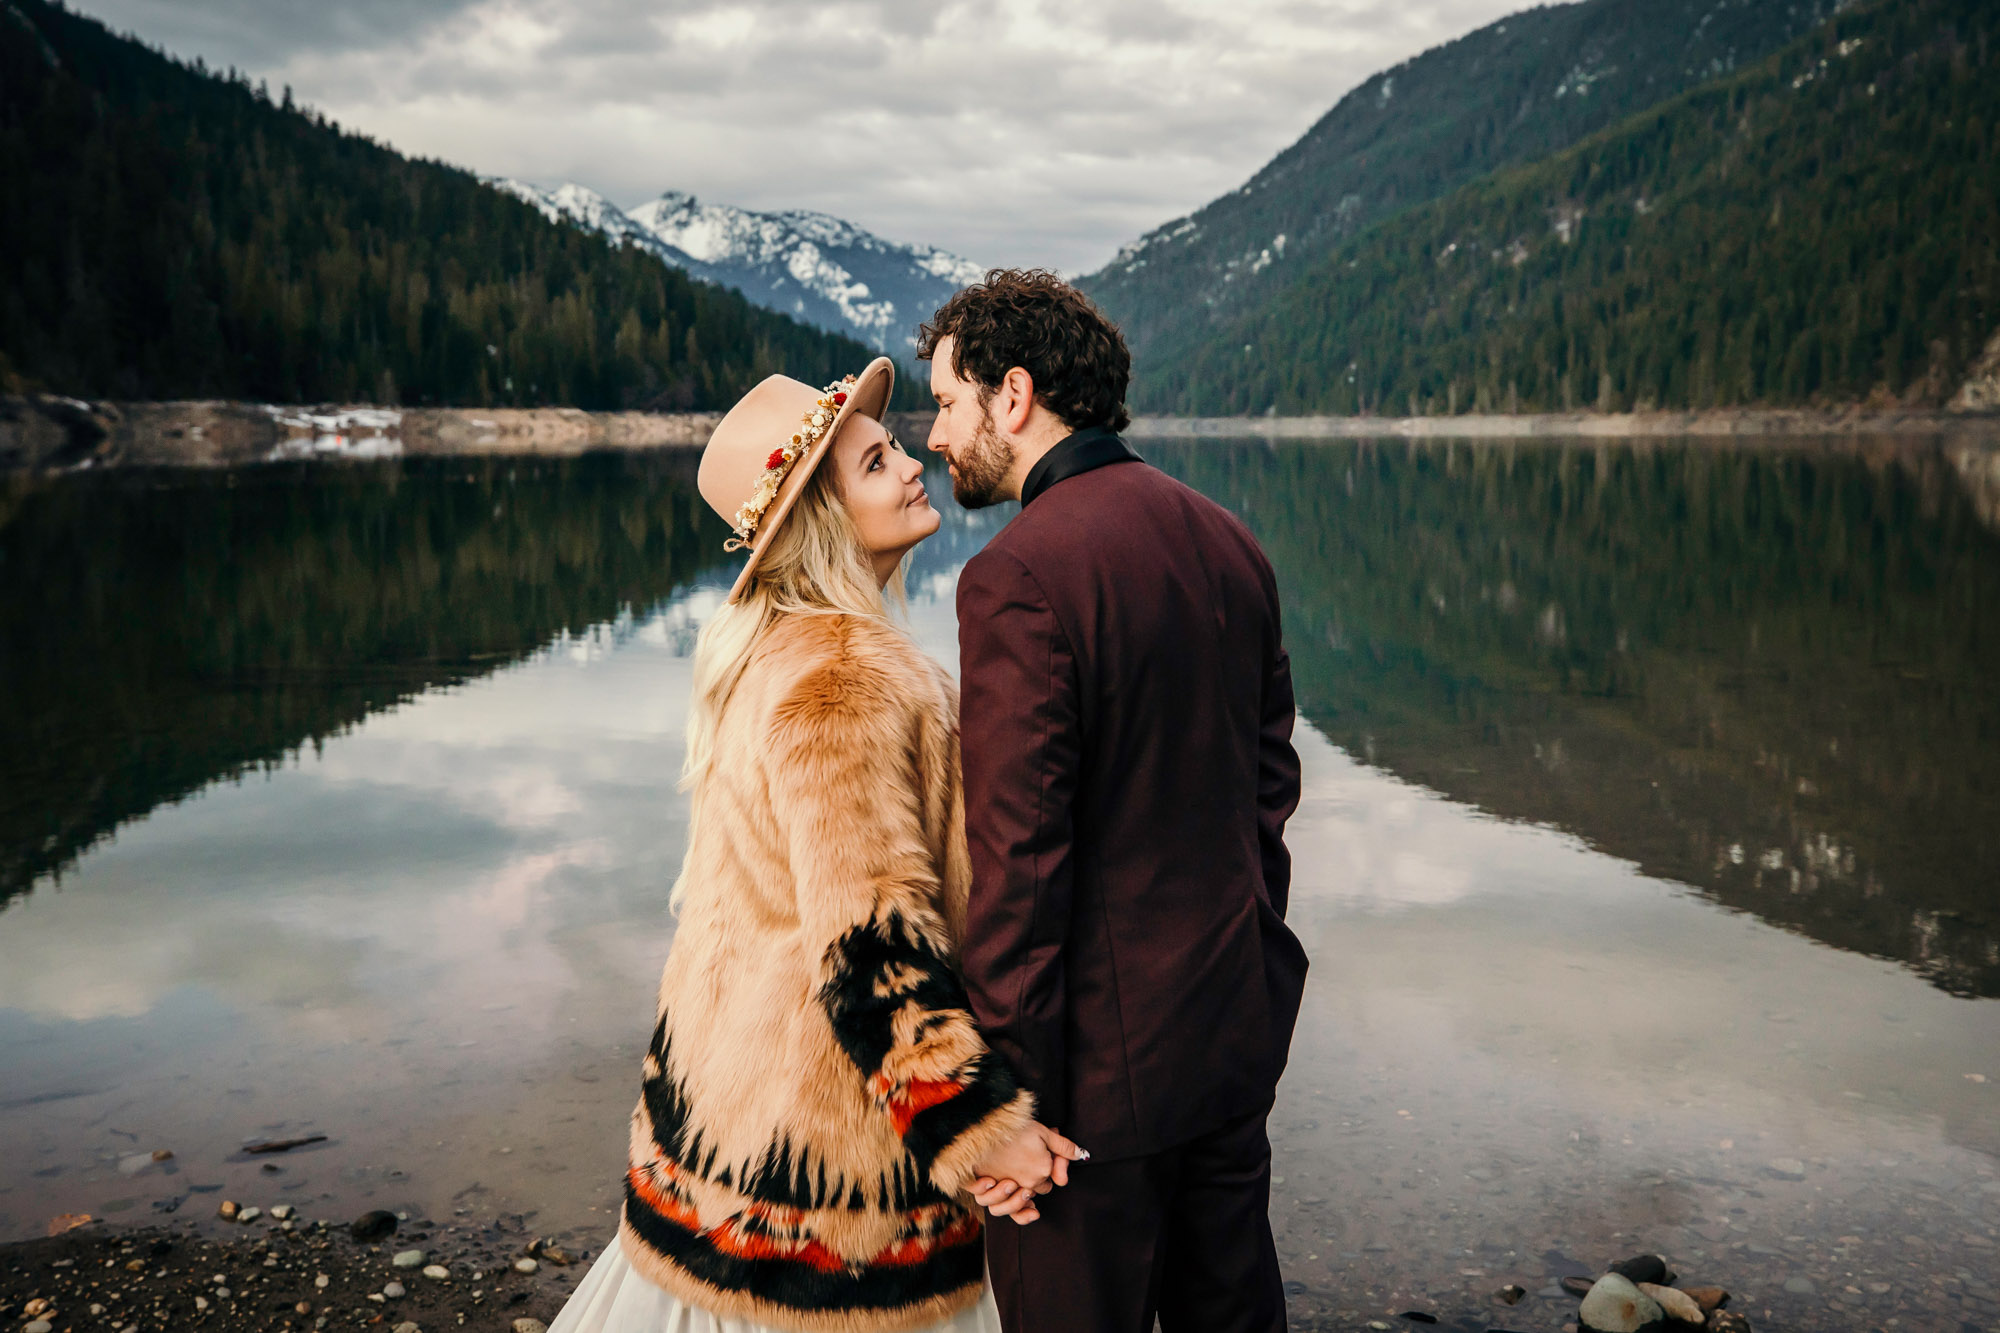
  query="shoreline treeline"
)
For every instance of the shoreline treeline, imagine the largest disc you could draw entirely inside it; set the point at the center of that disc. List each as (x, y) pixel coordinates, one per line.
(172, 232)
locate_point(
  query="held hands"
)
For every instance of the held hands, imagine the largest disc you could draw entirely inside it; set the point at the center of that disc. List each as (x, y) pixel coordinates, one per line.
(1033, 1163)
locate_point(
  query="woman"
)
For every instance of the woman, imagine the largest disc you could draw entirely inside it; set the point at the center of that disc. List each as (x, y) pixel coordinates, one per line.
(816, 1098)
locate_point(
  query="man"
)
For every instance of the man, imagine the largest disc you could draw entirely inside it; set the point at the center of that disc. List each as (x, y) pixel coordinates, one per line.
(1126, 712)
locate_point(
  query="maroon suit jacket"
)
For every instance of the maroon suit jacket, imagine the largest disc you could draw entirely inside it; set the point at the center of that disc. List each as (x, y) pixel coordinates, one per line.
(1126, 709)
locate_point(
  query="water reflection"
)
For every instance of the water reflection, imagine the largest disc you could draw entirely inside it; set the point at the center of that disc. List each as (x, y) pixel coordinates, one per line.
(160, 630)
(360, 784)
(1772, 674)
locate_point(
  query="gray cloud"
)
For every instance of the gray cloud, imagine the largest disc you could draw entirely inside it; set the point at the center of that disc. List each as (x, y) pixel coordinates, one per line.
(1010, 131)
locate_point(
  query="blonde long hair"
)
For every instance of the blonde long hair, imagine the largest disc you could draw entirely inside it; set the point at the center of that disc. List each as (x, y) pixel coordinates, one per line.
(815, 566)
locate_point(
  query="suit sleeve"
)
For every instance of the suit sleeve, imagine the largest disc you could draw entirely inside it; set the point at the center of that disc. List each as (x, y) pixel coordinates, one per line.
(845, 793)
(1277, 763)
(1019, 725)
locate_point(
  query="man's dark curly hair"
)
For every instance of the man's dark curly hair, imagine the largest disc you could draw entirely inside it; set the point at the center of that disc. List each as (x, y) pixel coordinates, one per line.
(1031, 318)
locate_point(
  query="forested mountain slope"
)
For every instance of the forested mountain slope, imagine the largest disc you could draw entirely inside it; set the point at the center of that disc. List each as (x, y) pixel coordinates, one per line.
(1824, 227)
(1510, 93)
(166, 233)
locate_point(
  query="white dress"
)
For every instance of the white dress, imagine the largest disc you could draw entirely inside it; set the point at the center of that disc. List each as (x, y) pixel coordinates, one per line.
(614, 1298)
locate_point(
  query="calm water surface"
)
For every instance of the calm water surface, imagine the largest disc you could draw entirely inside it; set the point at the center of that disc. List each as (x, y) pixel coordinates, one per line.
(1648, 855)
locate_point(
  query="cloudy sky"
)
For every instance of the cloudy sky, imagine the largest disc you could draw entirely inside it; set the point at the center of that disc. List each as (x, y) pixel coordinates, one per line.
(1009, 131)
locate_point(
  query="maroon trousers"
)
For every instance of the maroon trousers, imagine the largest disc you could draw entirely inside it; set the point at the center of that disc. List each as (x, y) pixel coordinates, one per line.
(1183, 1234)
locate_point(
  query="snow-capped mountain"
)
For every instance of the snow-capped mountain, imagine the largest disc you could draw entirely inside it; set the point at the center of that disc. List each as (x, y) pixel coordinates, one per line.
(813, 267)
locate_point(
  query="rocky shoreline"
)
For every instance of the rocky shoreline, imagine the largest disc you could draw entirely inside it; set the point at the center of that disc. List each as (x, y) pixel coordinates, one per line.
(276, 1270)
(47, 432)
(54, 433)
(1740, 424)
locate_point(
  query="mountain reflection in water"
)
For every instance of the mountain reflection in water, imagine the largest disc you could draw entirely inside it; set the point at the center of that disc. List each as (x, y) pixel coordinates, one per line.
(1771, 674)
(162, 630)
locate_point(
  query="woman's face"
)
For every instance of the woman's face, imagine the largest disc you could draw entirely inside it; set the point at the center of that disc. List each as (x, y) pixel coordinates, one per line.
(883, 489)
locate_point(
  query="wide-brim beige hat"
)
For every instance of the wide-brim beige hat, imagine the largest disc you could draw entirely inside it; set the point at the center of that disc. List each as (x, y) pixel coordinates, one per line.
(763, 453)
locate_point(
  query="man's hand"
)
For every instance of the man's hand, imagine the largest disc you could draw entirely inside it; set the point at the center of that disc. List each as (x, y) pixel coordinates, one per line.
(1034, 1162)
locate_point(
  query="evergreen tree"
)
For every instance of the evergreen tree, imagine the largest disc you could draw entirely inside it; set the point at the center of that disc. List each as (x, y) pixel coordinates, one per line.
(1822, 228)
(168, 233)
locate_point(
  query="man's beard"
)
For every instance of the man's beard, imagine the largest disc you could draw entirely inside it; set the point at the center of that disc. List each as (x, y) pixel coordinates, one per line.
(982, 469)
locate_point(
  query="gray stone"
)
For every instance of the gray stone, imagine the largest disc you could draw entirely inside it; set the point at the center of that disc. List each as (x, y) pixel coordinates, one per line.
(250, 1214)
(281, 1211)
(436, 1272)
(38, 1326)
(408, 1326)
(1800, 1286)
(537, 1326)
(1786, 1168)
(409, 1259)
(1615, 1305)
(392, 1290)
(525, 1265)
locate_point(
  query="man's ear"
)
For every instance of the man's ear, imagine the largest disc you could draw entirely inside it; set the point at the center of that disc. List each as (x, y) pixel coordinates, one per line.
(1014, 403)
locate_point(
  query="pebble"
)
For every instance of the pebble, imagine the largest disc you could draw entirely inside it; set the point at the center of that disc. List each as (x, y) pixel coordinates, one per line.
(281, 1211)
(39, 1305)
(1786, 1168)
(96, 1310)
(372, 1226)
(525, 1265)
(436, 1272)
(407, 1326)
(303, 1307)
(1615, 1305)
(1678, 1304)
(1800, 1286)
(226, 1210)
(201, 1302)
(409, 1259)
(1641, 1268)
(322, 1281)
(250, 1214)
(38, 1326)
(537, 1326)
(393, 1290)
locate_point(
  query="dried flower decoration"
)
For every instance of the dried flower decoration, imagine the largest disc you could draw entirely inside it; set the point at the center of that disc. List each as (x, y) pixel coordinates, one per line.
(779, 465)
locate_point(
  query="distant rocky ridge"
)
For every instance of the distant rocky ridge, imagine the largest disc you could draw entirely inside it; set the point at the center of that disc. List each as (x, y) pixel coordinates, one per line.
(818, 269)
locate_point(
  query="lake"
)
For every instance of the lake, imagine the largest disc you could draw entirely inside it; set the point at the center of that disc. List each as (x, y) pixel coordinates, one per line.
(1649, 855)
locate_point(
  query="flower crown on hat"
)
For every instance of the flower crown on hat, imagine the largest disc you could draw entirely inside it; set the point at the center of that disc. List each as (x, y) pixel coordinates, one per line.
(812, 426)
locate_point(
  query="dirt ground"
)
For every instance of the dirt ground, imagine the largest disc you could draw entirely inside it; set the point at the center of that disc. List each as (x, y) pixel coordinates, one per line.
(263, 1275)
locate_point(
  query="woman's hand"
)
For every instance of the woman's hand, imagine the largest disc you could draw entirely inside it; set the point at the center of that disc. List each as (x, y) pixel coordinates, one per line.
(1006, 1198)
(1035, 1162)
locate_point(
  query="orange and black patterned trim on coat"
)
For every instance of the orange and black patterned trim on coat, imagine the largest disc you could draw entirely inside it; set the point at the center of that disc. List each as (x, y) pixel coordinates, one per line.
(879, 970)
(766, 1251)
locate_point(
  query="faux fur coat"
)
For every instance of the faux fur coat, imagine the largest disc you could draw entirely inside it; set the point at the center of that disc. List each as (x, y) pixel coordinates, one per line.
(815, 1095)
